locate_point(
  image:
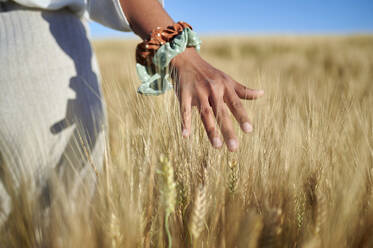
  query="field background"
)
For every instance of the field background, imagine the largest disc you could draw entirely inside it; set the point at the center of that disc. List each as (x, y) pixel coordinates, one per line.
(303, 178)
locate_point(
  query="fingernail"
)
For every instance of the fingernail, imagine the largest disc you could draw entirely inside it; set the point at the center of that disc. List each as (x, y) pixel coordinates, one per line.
(185, 133)
(247, 127)
(216, 142)
(260, 92)
(232, 144)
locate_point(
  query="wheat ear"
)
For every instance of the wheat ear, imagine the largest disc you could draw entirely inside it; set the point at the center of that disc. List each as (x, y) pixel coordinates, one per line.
(321, 212)
(199, 212)
(115, 231)
(233, 176)
(168, 193)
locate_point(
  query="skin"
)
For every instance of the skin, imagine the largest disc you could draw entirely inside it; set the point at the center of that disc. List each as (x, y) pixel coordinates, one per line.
(198, 83)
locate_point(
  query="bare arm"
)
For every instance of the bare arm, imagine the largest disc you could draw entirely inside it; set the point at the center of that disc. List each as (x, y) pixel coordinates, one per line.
(198, 83)
(145, 15)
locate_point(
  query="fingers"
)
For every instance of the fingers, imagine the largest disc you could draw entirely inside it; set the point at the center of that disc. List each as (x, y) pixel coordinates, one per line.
(208, 120)
(238, 111)
(245, 93)
(211, 98)
(225, 125)
(186, 113)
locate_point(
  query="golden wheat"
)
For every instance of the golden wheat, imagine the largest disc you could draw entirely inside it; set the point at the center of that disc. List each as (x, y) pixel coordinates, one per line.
(303, 178)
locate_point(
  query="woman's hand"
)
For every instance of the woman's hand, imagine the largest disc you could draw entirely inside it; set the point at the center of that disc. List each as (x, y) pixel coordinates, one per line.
(210, 90)
(198, 83)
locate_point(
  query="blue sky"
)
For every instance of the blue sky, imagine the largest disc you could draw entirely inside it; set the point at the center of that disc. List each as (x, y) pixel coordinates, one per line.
(266, 17)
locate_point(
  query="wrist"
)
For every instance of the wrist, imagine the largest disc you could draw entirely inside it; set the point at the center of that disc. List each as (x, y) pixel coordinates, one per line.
(188, 54)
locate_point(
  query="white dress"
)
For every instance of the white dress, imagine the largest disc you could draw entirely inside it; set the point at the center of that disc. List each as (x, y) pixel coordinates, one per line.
(52, 112)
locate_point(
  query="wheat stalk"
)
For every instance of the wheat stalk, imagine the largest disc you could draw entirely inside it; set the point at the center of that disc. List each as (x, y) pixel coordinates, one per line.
(300, 206)
(233, 176)
(199, 212)
(115, 231)
(321, 212)
(168, 192)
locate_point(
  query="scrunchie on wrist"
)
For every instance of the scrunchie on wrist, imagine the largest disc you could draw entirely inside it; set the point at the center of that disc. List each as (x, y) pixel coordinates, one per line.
(154, 55)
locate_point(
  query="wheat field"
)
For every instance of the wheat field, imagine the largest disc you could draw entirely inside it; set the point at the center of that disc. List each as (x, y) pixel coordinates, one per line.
(303, 178)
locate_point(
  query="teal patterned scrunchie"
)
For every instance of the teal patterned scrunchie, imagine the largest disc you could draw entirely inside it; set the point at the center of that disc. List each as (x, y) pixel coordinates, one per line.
(159, 82)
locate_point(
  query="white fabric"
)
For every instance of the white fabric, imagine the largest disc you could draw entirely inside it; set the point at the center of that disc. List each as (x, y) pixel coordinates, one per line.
(107, 12)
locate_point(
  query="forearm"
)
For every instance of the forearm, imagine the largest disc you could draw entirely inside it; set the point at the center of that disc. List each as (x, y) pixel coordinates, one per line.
(145, 15)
